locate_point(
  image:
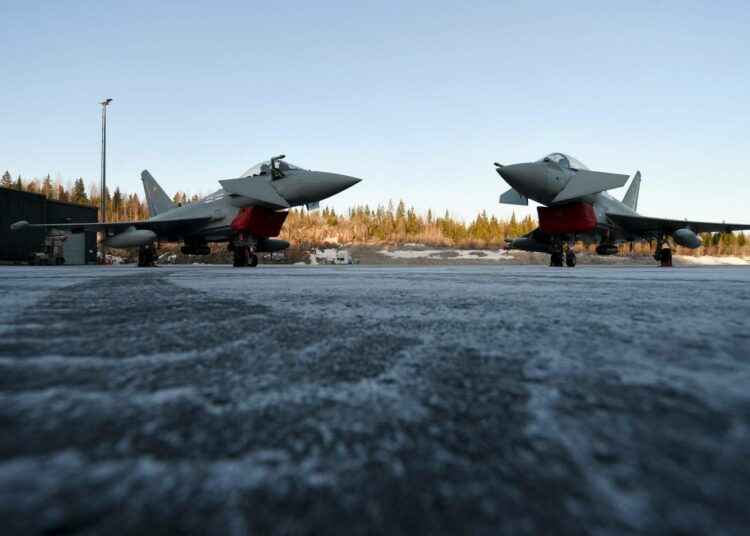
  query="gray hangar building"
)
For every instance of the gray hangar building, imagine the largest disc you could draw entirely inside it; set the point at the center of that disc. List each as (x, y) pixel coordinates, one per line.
(16, 246)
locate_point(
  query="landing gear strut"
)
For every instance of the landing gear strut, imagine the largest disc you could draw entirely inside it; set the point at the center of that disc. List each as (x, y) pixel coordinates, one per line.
(663, 252)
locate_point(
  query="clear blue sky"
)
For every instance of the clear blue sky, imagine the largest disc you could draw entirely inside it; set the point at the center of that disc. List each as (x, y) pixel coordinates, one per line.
(417, 98)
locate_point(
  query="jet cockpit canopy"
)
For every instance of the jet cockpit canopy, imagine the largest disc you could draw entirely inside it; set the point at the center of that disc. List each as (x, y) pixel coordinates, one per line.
(563, 160)
(264, 168)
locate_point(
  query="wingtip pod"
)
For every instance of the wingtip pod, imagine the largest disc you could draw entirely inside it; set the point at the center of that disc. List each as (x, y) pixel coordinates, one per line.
(19, 225)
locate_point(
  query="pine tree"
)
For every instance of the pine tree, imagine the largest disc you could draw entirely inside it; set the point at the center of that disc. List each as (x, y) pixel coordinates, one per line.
(513, 226)
(6, 181)
(62, 193)
(19, 184)
(117, 203)
(79, 192)
(401, 212)
(135, 207)
(46, 189)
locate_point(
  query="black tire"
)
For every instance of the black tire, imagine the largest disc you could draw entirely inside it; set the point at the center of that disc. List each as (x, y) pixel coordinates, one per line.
(238, 259)
(59, 261)
(570, 260)
(556, 259)
(43, 262)
(253, 261)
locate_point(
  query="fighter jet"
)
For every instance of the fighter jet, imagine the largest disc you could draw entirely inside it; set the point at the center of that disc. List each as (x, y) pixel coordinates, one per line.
(578, 208)
(246, 212)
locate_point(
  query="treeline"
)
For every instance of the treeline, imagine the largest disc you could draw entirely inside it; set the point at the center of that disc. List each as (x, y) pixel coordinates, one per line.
(395, 223)
(121, 206)
(399, 224)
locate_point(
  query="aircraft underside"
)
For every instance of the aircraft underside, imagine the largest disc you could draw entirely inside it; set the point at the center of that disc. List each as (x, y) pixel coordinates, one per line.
(608, 241)
(248, 234)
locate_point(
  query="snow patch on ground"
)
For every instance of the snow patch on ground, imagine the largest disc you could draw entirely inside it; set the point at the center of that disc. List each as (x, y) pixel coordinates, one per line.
(326, 256)
(167, 258)
(448, 254)
(713, 261)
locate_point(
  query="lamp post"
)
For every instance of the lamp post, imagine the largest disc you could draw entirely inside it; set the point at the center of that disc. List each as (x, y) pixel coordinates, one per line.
(104, 104)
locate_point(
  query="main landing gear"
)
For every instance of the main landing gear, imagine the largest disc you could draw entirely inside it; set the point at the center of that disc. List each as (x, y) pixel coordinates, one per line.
(146, 256)
(559, 258)
(563, 253)
(243, 256)
(556, 259)
(663, 253)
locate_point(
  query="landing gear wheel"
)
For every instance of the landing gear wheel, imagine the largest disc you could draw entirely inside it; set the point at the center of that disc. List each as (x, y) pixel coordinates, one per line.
(59, 261)
(239, 258)
(556, 259)
(253, 261)
(146, 257)
(570, 259)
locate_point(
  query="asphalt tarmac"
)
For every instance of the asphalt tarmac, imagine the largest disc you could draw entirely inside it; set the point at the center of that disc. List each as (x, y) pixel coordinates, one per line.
(354, 399)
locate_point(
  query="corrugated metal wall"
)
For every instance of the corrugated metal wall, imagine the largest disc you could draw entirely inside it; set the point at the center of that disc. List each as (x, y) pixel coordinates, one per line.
(16, 206)
(34, 208)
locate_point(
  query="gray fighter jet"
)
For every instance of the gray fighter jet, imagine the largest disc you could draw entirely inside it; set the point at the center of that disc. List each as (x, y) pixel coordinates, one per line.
(246, 212)
(578, 208)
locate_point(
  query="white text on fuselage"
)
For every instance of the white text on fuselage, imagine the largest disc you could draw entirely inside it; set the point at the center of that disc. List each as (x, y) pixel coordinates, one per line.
(213, 197)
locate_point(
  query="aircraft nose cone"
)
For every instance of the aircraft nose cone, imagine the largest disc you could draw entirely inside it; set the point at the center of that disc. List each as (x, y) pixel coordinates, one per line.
(524, 178)
(319, 185)
(333, 183)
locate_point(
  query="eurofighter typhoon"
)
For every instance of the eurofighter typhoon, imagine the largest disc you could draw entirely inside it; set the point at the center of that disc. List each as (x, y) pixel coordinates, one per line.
(578, 208)
(246, 212)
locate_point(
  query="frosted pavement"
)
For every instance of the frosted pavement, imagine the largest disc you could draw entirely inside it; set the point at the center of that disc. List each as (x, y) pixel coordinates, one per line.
(348, 399)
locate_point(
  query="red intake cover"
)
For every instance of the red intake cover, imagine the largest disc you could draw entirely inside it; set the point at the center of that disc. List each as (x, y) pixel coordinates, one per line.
(566, 219)
(259, 221)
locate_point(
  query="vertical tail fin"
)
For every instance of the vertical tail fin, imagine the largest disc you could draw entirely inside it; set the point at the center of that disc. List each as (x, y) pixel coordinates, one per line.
(157, 199)
(631, 196)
